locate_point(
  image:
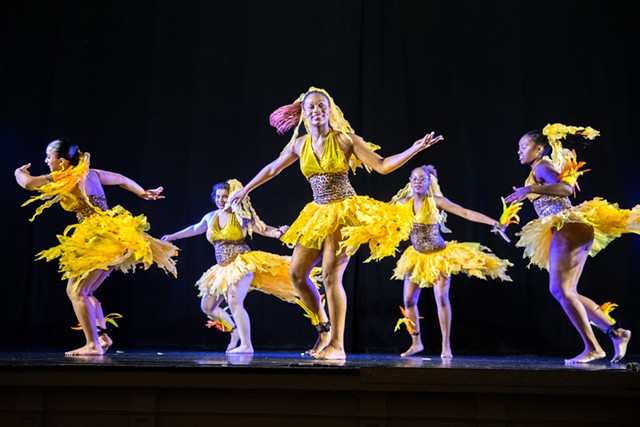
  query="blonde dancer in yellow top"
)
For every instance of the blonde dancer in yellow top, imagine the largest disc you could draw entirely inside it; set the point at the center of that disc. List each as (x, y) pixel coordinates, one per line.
(430, 261)
(103, 240)
(564, 235)
(238, 269)
(325, 154)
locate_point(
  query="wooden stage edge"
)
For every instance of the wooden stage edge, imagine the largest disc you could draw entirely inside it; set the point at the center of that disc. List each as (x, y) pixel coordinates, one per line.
(284, 389)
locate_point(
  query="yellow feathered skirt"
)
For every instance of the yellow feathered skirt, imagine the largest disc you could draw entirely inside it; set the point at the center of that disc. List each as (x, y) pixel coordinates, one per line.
(109, 239)
(380, 224)
(473, 259)
(608, 222)
(271, 275)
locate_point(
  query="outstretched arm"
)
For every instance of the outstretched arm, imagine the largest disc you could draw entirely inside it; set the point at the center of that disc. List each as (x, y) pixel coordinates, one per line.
(471, 215)
(192, 230)
(384, 165)
(268, 172)
(269, 231)
(447, 205)
(28, 181)
(112, 178)
(551, 185)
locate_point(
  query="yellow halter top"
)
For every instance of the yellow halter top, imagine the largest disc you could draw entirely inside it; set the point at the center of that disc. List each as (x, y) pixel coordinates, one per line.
(428, 213)
(232, 230)
(331, 161)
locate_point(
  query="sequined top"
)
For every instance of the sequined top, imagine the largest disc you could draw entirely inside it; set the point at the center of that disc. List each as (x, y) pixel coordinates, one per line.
(425, 234)
(331, 187)
(545, 204)
(228, 241)
(85, 207)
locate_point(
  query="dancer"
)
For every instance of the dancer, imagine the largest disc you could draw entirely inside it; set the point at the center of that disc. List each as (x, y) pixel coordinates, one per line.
(564, 235)
(430, 261)
(103, 240)
(326, 152)
(238, 269)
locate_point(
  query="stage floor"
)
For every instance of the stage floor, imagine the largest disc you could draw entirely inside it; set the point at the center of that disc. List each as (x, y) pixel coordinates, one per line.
(289, 389)
(160, 359)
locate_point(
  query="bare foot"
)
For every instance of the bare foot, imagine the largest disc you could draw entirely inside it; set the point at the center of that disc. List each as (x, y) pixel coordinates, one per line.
(415, 348)
(233, 342)
(586, 357)
(446, 353)
(87, 350)
(330, 353)
(620, 340)
(242, 349)
(323, 340)
(105, 342)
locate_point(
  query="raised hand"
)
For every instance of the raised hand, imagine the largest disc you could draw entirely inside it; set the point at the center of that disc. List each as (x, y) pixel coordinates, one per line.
(24, 169)
(519, 193)
(153, 194)
(428, 140)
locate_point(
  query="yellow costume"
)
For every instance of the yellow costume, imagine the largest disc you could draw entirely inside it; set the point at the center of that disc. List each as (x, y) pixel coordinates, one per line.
(335, 204)
(235, 260)
(104, 238)
(608, 222)
(429, 256)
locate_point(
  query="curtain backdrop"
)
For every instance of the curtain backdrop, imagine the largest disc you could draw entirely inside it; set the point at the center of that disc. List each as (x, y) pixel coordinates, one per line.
(178, 94)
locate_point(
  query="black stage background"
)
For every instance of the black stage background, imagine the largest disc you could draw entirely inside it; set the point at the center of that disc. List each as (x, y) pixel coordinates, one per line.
(179, 93)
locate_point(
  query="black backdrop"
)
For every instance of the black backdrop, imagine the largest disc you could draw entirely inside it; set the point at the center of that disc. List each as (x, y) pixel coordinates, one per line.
(178, 94)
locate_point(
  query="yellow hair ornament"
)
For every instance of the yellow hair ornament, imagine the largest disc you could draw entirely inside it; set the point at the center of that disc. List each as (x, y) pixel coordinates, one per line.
(556, 132)
(244, 210)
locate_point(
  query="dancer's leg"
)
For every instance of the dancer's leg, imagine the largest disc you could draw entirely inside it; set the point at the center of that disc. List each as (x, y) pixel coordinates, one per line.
(86, 315)
(411, 296)
(210, 305)
(237, 293)
(567, 256)
(303, 260)
(441, 292)
(333, 267)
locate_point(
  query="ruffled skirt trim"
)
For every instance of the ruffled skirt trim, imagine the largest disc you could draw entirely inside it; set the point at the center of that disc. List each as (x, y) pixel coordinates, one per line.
(362, 220)
(109, 239)
(608, 221)
(470, 258)
(271, 275)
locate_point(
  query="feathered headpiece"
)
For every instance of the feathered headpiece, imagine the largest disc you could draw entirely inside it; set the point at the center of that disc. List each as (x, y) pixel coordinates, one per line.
(564, 159)
(556, 132)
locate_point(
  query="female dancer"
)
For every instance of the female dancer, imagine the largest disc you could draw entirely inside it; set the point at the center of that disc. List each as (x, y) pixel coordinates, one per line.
(103, 239)
(326, 153)
(563, 236)
(238, 269)
(430, 261)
